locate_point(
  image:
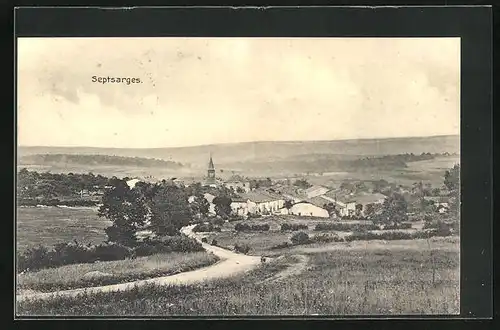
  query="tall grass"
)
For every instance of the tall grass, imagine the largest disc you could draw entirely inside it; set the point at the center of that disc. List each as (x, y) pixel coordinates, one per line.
(335, 283)
(73, 276)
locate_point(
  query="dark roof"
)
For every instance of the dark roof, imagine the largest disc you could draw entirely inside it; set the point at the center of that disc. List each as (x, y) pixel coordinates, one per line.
(260, 196)
(211, 164)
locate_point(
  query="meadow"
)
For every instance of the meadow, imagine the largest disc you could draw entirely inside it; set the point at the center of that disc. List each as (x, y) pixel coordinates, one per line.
(112, 272)
(51, 225)
(397, 278)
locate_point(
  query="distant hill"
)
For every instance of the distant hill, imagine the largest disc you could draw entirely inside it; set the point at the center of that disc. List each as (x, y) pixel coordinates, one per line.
(270, 154)
(93, 160)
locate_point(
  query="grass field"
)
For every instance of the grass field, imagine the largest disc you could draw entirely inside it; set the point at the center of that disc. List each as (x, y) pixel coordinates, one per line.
(73, 276)
(415, 279)
(262, 242)
(52, 225)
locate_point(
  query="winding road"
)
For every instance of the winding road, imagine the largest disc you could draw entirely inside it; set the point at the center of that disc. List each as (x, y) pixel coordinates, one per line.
(230, 264)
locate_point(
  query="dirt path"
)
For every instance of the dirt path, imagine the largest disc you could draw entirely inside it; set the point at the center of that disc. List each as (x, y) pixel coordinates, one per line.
(231, 263)
(293, 269)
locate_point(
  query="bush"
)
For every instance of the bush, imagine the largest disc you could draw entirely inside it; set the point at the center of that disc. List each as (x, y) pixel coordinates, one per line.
(300, 238)
(217, 221)
(111, 251)
(404, 225)
(214, 242)
(34, 259)
(244, 248)
(206, 228)
(246, 227)
(281, 246)
(75, 253)
(236, 218)
(326, 238)
(345, 227)
(182, 243)
(204, 240)
(72, 253)
(293, 227)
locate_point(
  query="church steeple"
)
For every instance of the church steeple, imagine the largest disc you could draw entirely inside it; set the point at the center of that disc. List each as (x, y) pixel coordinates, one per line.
(211, 163)
(211, 170)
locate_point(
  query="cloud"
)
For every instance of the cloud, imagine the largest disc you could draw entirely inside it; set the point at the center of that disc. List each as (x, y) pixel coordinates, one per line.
(210, 90)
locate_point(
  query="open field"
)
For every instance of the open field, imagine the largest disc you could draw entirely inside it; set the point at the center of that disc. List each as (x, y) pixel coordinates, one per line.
(262, 242)
(390, 280)
(74, 276)
(51, 225)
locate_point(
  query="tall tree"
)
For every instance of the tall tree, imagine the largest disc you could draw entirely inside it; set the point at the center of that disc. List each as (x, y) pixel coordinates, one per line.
(452, 178)
(222, 205)
(394, 210)
(170, 210)
(126, 209)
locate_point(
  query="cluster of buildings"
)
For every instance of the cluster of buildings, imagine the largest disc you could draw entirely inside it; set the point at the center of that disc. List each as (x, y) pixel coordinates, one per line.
(286, 199)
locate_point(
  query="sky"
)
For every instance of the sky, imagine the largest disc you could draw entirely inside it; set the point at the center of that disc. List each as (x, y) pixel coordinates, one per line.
(197, 91)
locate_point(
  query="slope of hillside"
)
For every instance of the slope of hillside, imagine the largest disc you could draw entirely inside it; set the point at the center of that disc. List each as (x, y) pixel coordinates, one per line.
(267, 152)
(93, 160)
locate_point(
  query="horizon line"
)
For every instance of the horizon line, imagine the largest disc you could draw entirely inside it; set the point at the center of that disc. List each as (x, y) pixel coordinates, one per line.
(242, 142)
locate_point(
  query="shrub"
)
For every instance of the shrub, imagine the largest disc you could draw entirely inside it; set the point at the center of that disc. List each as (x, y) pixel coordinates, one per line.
(206, 228)
(72, 253)
(345, 227)
(214, 242)
(34, 259)
(111, 251)
(247, 227)
(327, 238)
(293, 227)
(182, 243)
(236, 218)
(300, 238)
(404, 225)
(244, 248)
(204, 240)
(217, 221)
(281, 246)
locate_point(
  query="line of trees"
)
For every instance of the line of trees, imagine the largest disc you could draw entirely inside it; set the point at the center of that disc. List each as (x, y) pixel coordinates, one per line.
(47, 159)
(34, 185)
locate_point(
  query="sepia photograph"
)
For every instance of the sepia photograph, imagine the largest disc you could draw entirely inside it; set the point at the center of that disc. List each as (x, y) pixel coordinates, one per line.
(238, 176)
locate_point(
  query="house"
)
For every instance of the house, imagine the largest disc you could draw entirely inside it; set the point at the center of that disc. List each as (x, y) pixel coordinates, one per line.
(441, 204)
(260, 202)
(368, 198)
(238, 185)
(307, 209)
(315, 191)
(131, 183)
(239, 206)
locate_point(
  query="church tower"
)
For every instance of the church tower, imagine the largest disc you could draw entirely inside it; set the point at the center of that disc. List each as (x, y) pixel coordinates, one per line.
(211, 171)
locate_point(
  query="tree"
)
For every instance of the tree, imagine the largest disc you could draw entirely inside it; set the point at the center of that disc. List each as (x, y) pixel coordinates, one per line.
(302, 183)
(200, 205)
(288, 204)
(331, 208)
(222, 205)
(126, 209)
(240, 190)
(370, 210)
(394, 210)
(170, 210)
(452, 178)
(359, 209)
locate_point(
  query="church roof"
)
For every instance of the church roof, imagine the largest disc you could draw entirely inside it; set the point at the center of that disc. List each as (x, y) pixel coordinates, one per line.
(211, 164)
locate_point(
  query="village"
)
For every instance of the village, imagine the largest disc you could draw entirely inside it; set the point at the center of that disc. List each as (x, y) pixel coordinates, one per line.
(299, 198)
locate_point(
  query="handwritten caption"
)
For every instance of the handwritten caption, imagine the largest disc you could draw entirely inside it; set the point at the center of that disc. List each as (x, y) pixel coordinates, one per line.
(116, 80)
